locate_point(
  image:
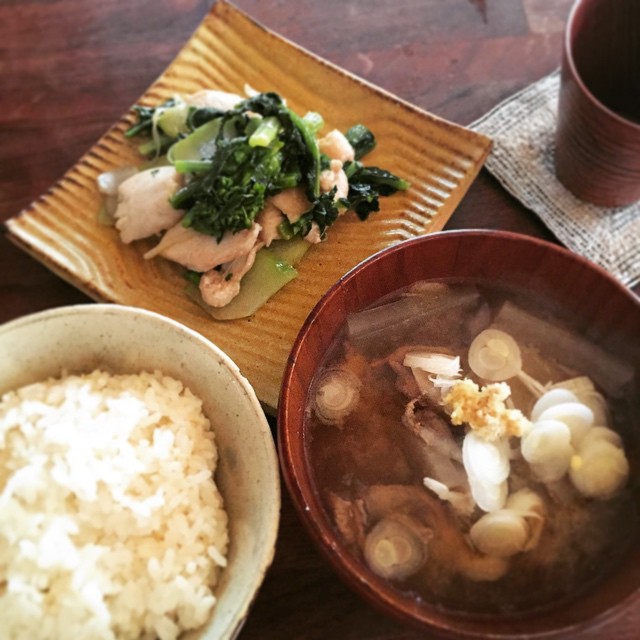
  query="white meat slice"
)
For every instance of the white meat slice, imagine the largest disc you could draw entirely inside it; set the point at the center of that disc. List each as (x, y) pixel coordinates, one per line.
(200, 252)
(314, 236)
(143, 207)
(269, 219)
(335, 177)
(336, 146)
(219, 287)
(292, 202)
(213, 99)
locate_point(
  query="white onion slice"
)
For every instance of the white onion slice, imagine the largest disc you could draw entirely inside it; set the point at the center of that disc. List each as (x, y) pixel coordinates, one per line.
(393, 551)
(598, 405)
(439, 488)
(436, 363)
(551, 398)
(487, 461)
(600, 470)
(526, 503)
(577, 416)
(489, 497)
(545, 441)
(547, 448)
(530, 506)
(601, 434)
(502, 533)
(337, 395)
(461, 502)
(494, 355)
(485, 568)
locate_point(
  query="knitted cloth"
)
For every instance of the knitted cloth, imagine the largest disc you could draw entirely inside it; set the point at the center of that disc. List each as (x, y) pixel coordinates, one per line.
(522, 159)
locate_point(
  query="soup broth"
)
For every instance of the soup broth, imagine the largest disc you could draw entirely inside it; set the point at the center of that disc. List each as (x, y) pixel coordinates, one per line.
(472, 446)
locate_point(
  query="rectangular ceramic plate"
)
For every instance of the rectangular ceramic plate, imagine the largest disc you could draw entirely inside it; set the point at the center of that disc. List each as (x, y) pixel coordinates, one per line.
(440, 160)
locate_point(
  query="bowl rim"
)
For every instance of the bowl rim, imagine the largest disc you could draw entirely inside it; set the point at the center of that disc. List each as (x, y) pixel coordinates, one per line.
(448, 623)
(268, 536)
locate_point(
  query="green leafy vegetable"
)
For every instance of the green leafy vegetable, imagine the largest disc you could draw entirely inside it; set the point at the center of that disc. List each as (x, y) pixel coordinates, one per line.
(361, 139)
(324, 212)
(145, 120)
(366, 185)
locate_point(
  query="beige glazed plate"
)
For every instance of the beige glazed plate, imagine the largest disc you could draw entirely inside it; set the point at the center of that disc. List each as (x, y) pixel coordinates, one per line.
(439, 158)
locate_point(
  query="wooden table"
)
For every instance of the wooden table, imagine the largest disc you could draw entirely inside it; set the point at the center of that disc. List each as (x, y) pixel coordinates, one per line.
(70, 68)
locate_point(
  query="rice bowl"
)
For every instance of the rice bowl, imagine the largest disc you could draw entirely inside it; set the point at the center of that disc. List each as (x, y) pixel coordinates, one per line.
(110, 515)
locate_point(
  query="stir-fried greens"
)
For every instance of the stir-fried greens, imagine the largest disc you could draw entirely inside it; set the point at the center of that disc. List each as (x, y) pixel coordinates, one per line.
(248, 158)
(228, 164)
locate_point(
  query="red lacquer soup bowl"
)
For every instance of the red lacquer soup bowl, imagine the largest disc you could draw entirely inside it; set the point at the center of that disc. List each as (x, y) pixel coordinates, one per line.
(339, 498)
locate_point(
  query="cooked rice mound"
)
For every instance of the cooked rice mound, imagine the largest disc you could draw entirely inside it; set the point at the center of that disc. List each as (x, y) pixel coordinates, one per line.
(111, 525)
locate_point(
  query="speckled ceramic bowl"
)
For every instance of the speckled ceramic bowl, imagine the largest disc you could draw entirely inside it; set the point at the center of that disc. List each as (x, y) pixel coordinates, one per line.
(128, 340)
(607, 308)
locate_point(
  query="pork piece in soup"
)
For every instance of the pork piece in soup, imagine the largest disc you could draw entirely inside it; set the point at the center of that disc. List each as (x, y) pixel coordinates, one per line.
(473, 447)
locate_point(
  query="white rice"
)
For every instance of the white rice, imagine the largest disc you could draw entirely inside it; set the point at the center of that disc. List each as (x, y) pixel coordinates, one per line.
(111, 525)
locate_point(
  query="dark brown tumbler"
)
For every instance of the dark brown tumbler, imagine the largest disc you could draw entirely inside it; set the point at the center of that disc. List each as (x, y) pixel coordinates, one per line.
(598, 136)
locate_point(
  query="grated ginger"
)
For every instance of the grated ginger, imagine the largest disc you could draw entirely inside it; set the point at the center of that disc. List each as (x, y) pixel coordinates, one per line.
(484, 409)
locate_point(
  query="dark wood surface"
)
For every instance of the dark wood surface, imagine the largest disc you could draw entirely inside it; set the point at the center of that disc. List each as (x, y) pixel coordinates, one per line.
(70, 68)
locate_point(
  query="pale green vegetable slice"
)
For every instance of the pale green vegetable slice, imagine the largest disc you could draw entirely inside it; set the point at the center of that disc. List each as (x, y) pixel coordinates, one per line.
(434, 373)
(267, 276)
(154, 163)
(193, 152)
(516, 528)
(269, 273)
(291, 251)
(265, 133)
(173, 120)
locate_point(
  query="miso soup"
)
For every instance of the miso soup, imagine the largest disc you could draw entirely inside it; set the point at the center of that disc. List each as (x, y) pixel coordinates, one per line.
(474, 448)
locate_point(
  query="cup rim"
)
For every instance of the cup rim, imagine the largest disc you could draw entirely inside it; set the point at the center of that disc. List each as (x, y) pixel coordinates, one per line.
(569, 59)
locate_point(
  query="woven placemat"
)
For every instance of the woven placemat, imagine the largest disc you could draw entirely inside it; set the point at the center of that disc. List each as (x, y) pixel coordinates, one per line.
(522, 159)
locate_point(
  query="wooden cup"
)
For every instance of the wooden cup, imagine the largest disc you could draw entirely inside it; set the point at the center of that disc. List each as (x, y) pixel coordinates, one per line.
(598, 136)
